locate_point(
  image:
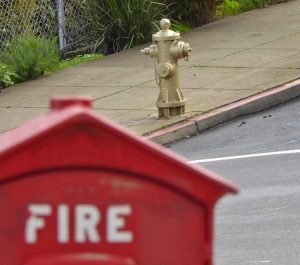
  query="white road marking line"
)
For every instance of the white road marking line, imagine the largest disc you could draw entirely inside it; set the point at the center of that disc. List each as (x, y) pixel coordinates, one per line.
(245, 156)
(261, 261)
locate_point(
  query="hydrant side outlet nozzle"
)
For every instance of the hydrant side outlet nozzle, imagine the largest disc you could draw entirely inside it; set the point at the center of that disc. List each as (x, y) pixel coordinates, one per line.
(167, 50)
(152, 51)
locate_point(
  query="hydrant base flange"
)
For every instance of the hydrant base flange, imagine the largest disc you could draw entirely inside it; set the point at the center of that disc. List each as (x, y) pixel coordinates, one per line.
(170, 104)
(171, 111)
(170, 108)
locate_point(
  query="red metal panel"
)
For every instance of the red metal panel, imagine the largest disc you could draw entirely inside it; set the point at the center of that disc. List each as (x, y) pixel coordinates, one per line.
(159, 221)
(77, 136)
(76, 189)
(79, 259)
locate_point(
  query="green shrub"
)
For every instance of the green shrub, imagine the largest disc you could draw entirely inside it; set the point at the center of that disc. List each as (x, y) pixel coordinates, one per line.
(193, 12)
(180, 27)
(7, 76)
(228, 8)
(119, 25)
(246, 5)
(30, 56)
(233, 7)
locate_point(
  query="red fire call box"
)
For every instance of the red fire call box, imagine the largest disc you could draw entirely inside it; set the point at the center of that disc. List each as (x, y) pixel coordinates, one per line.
(76, 189)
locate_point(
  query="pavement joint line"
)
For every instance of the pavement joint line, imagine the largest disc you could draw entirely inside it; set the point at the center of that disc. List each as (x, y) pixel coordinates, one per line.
(287, 49)
(92, 79)
(144, 83)
(197, 31)
(134, 109)
(75, 86)
(216, 81)
(127, 88)
(4, 131)
(252, 48)
(242, 67)
(107, 86)
(203, 28)
(297, 49)
(215, 89)
(248, 105)
(23, 107)
(117, 92)
(280, 38)
(237, 51)
(225, 78)
(223, 48)
(95, 108)
(285, 152)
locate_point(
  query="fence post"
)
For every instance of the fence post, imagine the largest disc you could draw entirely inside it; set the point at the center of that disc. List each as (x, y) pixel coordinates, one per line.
(61, 24)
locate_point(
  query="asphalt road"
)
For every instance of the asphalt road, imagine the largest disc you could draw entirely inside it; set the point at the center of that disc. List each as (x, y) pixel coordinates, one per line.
(262, 224)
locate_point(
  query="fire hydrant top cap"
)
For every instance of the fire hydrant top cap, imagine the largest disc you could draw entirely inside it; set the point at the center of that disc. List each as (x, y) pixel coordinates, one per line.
(165, 33)
(165, 24)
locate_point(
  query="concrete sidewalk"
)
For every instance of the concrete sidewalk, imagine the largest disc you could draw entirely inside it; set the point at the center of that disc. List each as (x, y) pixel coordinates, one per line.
(232, 59)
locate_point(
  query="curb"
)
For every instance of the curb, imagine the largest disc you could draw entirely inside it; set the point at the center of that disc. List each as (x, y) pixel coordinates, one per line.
(252, 104)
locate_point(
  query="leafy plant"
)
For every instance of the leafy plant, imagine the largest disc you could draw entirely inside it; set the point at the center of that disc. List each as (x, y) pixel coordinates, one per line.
(233, 7)
(119, 25)
(30, 56)
(228, 8)
(246, 5)
(193, 12)
(7, 76)
(180, 27)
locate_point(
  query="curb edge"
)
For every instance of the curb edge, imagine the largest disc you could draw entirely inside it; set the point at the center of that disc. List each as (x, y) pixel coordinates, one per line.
(252, 104)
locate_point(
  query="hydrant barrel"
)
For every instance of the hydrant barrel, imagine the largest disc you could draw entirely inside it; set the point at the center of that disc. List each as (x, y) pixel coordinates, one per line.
(166, 51)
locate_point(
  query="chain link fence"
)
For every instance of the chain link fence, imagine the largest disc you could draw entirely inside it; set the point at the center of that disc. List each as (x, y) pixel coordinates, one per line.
(63, 19)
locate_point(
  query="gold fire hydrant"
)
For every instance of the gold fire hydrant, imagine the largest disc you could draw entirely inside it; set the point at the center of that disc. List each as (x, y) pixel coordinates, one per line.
(167, 50)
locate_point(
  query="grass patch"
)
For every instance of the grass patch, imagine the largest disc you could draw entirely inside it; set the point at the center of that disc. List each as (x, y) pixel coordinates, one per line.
(79, 59)
(9, 77)
(228, 8)
(234, 7)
